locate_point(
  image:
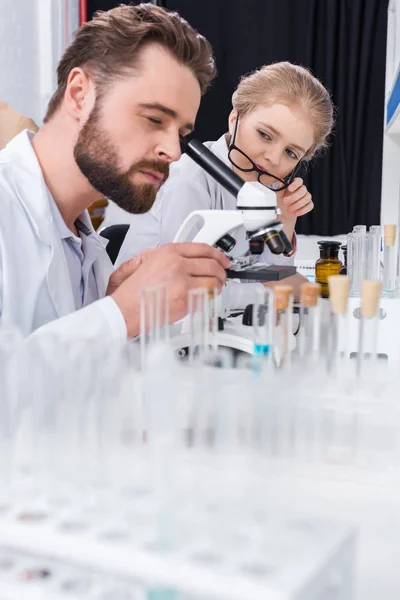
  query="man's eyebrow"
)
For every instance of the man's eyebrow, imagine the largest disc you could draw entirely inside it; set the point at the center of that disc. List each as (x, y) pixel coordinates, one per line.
(167, 111)
(278, 134)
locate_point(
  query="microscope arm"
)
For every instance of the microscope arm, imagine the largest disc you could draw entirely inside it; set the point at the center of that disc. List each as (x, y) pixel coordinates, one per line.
(214, 224)
(256, 209)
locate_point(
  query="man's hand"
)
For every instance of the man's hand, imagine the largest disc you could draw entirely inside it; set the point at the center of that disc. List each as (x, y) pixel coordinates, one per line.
(181, 267)
(123, 272)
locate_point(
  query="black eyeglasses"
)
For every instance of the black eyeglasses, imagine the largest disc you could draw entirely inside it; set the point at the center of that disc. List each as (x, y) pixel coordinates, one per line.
(237, 156)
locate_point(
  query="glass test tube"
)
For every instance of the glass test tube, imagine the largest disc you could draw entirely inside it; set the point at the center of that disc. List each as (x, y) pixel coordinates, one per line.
(262, 322)
(374, 253)
(360, 232)
(351, 261)
(199, 324)
(213, 305)
(154, 319)
(283, 328)
(368, 331)
(204, 309)
(337, 334)
(308, 338)
(389, 262)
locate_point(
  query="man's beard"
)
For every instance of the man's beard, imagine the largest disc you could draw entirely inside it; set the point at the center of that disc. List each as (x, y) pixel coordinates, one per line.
(97, 158)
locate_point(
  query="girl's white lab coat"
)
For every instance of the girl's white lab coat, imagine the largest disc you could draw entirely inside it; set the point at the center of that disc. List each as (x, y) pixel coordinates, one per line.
(35, 286)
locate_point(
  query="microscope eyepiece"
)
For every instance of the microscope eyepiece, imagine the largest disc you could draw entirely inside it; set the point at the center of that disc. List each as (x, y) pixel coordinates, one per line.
(226, 243)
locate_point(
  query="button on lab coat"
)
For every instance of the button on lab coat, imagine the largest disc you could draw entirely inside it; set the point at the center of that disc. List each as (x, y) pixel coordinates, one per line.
(35, 286)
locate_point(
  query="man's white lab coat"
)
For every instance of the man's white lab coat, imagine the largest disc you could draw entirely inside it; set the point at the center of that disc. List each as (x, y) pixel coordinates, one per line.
(35, 286)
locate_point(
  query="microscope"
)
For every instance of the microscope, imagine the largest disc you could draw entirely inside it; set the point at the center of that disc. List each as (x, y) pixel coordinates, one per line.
(257, 212)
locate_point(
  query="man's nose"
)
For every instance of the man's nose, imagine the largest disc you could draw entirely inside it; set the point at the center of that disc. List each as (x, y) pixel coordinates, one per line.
(170, 148)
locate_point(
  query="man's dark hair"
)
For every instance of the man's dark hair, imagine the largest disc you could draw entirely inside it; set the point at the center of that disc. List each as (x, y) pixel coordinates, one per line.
(110, 45)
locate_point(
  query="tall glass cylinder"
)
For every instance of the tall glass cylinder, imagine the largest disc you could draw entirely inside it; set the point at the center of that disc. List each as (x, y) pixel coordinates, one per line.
(308, 338)
(154, 319)
(374, 253)
(368, 331)
(359, 270)
(283, 326)
(199, 324)
(351, 261)
(389, 283)
(338, 323)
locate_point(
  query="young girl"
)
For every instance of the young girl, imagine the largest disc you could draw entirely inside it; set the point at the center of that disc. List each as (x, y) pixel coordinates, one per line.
(281, 116)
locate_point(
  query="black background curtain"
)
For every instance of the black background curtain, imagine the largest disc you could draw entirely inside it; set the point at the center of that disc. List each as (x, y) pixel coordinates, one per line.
(344, 43)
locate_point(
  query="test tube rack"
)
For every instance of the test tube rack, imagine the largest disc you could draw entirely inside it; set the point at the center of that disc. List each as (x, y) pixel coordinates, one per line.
(388, 343)
(47, 556)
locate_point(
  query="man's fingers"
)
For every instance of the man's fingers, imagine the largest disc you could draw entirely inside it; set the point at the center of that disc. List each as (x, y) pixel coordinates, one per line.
(126, 269)
(198, 250)
(206, 267)
(122, 273)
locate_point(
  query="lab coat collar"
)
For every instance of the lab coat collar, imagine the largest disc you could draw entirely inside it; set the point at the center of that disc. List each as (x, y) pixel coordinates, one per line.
(31, 187)
(220, 149)
(35, 197)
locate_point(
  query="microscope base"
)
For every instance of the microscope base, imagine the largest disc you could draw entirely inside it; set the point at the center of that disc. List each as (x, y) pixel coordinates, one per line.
(235, 336)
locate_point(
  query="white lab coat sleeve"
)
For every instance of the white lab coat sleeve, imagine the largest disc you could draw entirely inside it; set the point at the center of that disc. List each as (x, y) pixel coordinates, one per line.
(174, 202)
(102, 321)
(1, 288)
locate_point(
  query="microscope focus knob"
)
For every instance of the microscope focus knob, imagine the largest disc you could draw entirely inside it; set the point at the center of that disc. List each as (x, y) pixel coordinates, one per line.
(247, 318)
(226, 243)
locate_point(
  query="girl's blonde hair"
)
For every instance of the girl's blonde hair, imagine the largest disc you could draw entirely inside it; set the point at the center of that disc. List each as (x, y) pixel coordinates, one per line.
(292, 85)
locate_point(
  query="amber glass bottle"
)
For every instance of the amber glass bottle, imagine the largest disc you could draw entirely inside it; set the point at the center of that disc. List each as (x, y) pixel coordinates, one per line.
(327, 264)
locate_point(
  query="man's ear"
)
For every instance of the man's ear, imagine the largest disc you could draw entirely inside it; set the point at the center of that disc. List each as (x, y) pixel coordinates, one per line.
(232, 120)
(79, 94)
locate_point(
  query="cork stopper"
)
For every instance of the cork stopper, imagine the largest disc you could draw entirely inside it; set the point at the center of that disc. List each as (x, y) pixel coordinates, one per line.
(370, 294)
(310, 292)
(390, 234)
(282, 296)
(212, 292)
(209, 285)
(339, 286)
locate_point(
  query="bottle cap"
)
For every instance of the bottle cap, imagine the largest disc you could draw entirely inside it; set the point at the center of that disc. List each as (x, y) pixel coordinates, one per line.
(282, 296)
(329, 244)
(339, 286)
(390, 234)
(310, 292)
(370, 294)
(329, 249)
